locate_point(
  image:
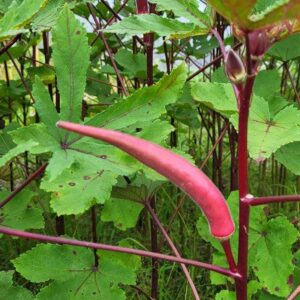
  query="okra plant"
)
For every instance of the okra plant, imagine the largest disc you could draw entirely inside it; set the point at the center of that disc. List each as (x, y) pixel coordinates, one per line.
(114, 113)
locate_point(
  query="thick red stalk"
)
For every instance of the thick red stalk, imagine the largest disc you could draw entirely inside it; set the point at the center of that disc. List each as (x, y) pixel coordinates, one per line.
(64, 241)
(177, 169)
(244, 209)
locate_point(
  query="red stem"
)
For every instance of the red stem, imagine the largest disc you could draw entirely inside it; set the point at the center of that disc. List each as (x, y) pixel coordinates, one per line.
(108, 50)
(30, 178)
(254, 201)
(244, 209)
(109, 21)
(64, 241)
(9, 44)
(294, 294)
(229, 255)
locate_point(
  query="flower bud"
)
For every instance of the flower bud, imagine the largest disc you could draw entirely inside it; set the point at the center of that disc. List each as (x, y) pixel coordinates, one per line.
(258, 44)
(234, 67)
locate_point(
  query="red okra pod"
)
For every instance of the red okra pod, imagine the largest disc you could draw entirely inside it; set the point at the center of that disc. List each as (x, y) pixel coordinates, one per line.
(174, 167)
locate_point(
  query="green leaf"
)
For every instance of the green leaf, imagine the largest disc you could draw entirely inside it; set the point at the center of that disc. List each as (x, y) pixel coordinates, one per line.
(225, 295)
(149, 131)
(20, 213)
(254, 14)
(263, 295)
(267, 83)
(4, 5)
(15, 52)
(267, 133)
(60, 160)
(273, 256)
(185, 8)
(140, 24)
(21, 148)
(45, 108)
(217, 96)
(134, 64)
(286, 49)
(45, 73)
(86, 179)
(123, 213)
(74, 274)
(71, 61)
(46, 17)
(289, 156)
(37, 133)
(145, 104)
(270, 243)
(6, 142)
(98, 88)
(61, 264)
(10, 291)
(18, 15)
(34, 138)
(272, 121)
(238, 14)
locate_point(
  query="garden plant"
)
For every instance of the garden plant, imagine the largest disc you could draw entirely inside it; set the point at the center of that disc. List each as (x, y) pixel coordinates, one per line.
(115, 114)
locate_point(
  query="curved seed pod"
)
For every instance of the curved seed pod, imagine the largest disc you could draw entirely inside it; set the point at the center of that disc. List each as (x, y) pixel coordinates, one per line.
(178, 170)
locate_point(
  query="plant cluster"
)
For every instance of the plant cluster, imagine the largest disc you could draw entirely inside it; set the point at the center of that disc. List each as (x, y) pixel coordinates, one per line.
(113, 114)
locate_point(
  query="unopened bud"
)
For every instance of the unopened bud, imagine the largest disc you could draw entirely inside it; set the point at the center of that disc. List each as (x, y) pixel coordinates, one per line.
(234, 67)
(258, 44)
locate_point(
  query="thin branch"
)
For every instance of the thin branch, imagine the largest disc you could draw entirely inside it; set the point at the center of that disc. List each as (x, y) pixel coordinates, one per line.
(108, 50)
(20, 75)
(174, 249)
(215, 145)
(220, 40)
(65, 241)
(111, 10)
(292, 82)
(30, 178)
(139, 290)
(9, 44)
(109, 21)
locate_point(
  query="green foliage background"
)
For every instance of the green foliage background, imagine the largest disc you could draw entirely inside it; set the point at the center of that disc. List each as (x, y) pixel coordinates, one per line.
(79, 84)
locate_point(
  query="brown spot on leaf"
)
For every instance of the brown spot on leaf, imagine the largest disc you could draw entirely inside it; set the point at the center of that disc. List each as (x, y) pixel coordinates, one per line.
(78, 32)
(263, 233)
(103, 156)
(72, 183)
(86, 177)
